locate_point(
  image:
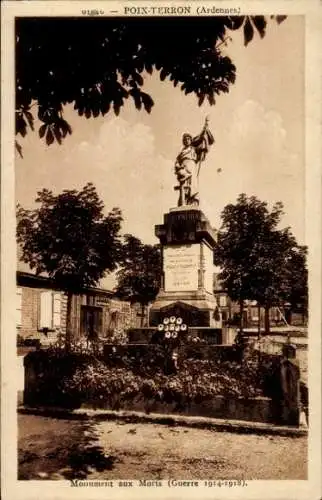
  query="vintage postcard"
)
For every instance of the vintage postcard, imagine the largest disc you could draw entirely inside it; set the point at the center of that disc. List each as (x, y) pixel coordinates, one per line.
(161, 249)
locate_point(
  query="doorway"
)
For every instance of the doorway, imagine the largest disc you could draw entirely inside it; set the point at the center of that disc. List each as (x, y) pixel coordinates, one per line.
(91, 321)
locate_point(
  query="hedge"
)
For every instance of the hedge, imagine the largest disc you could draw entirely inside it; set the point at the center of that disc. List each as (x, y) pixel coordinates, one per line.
(58, 378)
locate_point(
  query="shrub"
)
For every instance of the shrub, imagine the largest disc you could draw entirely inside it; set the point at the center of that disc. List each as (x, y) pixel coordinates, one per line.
(117, 336)
(141, 359)
(138, 372)
(97, 383)
(195, 382)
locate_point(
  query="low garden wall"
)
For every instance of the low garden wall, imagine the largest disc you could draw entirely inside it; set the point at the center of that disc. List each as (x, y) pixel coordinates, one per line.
(258, 409)
(203, 380)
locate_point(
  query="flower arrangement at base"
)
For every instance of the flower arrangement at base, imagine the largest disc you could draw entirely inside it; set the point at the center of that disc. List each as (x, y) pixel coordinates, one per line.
(172, 328)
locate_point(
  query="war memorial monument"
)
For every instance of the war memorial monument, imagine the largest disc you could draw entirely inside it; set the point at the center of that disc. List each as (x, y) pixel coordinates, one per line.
(187, 240)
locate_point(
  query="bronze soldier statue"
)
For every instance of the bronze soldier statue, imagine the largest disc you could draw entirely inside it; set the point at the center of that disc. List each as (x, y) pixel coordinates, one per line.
(187, 165)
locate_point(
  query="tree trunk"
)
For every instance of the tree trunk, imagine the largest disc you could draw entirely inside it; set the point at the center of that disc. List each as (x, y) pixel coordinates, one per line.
(142, 315)
(241, 313)
(229, 309)
(289, 320)
(288, 315)
(303, 318)
(267, 325)
(68, 321)
(259, 320)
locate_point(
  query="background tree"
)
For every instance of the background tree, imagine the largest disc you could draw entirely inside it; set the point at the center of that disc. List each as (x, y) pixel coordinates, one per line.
(140, 273)
(256, 258)
(296, 275)
(69, 238)
(98, 63)
(272, 279)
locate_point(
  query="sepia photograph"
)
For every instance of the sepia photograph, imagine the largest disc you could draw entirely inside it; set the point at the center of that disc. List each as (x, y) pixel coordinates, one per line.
(161, 252)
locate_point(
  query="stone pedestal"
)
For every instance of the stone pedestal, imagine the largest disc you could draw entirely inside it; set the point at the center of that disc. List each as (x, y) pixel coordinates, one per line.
(187, 241)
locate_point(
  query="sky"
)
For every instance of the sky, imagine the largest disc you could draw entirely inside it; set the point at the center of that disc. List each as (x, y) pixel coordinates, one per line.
(258, 128)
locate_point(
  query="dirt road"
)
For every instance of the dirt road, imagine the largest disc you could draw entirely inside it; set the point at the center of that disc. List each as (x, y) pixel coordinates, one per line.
(63, 449)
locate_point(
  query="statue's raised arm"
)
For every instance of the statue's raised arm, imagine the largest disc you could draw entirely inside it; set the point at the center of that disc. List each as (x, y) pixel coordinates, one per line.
(203, 141)
(187, 165)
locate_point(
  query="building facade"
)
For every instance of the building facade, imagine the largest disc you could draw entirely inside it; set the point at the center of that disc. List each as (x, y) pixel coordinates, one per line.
(253, 315)
(41, 311)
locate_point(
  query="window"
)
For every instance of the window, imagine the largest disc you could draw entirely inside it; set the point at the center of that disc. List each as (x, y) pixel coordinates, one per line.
(254, 312)
(222, 301)
(19, 306)
(49, 310)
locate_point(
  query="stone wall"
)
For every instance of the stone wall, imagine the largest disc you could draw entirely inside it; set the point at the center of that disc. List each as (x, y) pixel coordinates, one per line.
(259, 409)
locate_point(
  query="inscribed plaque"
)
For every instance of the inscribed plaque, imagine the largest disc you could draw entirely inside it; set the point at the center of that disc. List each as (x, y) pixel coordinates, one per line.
(181, 264)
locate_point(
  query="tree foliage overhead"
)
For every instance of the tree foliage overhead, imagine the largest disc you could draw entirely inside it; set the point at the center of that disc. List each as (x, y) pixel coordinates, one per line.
(68, 237)
(140, 272)
(99, 63)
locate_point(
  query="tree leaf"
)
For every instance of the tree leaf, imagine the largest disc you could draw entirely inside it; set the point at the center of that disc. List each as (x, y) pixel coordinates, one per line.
(211, 99)
(148, 67)
(137, 100)
(105, 107)
(42, 130)
(138, 78)
(30, 119)
(280, 19)
(96, 111)
(260, 24)
(18, 149)
(116, 107)
(147, 101)
(201, 99)
(248, 31)
(57, 133)
(236, 21)
(68, 128)
(21, 126)
(163, 74)
(49, 137)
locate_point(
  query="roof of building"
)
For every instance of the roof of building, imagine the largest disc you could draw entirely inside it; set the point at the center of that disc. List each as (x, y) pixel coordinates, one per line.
(25, 273)
(40, 281)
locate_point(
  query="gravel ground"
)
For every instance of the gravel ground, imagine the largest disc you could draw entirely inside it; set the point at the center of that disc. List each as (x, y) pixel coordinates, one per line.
(52, 448)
